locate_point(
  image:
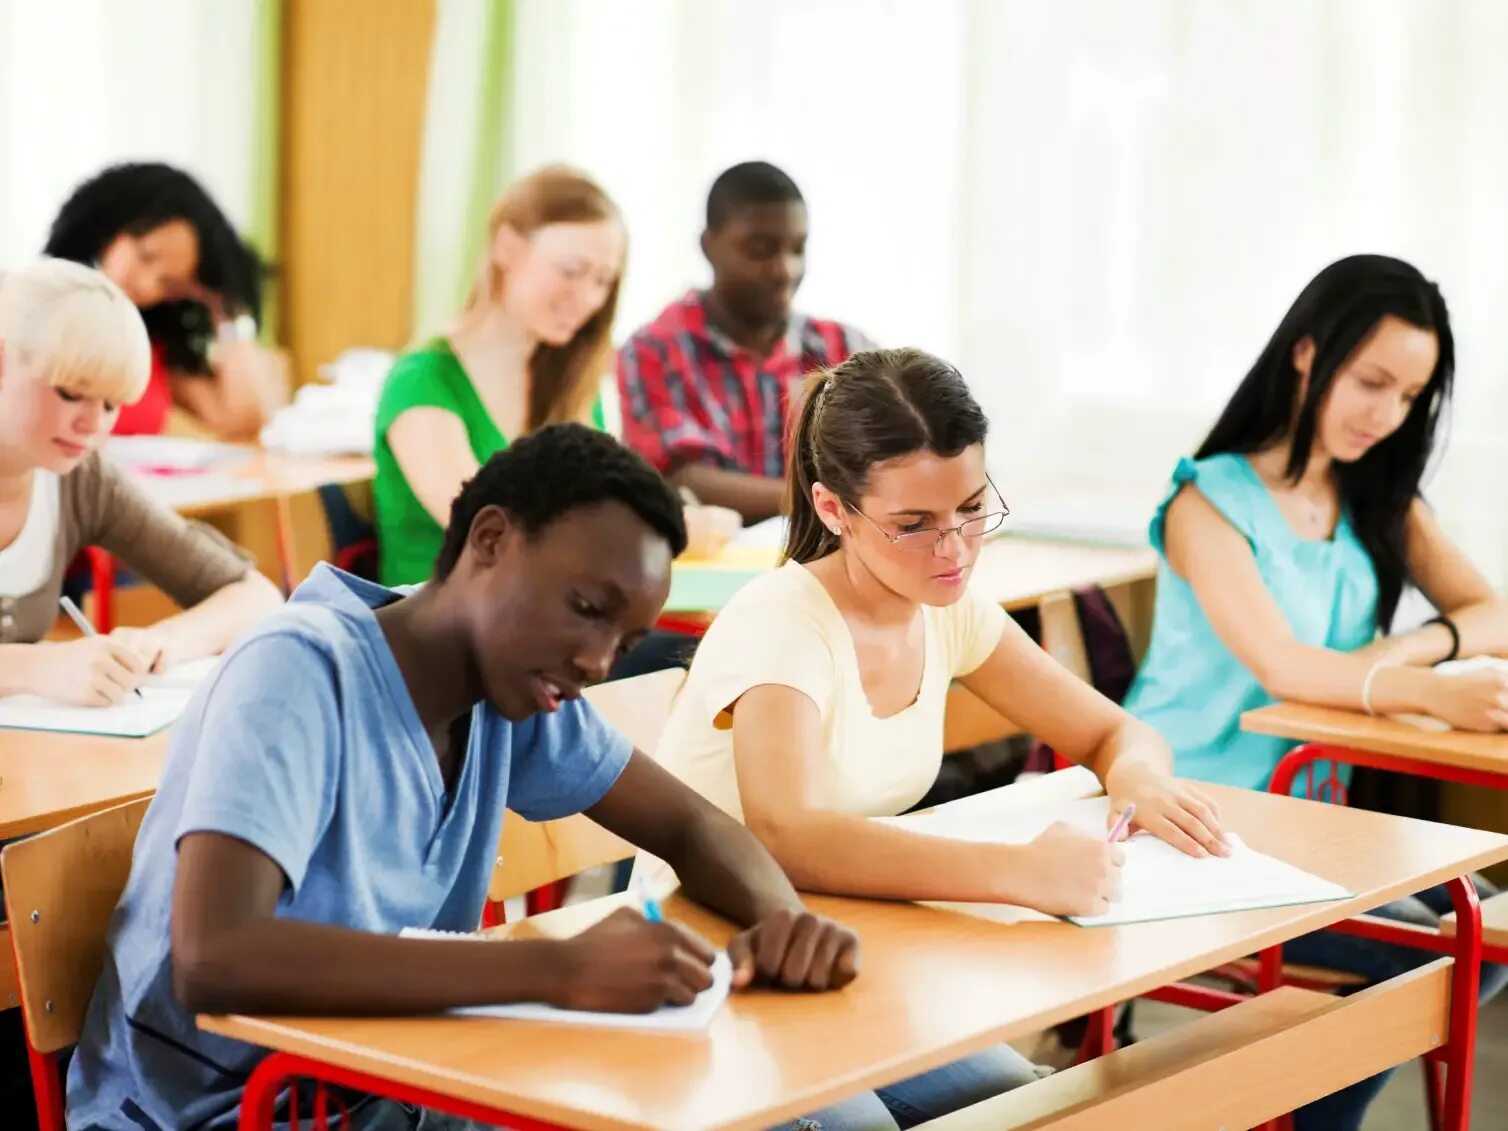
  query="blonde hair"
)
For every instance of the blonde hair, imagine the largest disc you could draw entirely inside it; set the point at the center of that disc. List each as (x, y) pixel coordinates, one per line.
(563, 380)
(77, 327)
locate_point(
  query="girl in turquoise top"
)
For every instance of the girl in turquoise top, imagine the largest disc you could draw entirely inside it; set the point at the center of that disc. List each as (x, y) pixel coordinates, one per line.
(1287, 542)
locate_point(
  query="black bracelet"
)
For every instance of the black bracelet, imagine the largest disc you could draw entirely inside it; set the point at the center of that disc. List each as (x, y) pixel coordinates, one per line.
(1455, 637)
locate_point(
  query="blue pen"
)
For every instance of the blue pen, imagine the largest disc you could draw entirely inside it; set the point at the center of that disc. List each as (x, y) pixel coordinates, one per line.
(648, 903)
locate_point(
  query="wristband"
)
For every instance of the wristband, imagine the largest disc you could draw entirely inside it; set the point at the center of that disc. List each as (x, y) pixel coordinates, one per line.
(1455, 637)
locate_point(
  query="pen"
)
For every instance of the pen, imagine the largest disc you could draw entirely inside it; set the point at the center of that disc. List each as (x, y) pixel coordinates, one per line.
(1124, 823)
(81, 622)
(650, 905)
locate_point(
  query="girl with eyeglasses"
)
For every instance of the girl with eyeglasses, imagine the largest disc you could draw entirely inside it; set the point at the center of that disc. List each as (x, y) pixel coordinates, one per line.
(816, 699)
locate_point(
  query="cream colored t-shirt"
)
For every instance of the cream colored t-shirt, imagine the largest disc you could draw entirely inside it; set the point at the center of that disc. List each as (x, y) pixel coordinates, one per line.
(784, 629)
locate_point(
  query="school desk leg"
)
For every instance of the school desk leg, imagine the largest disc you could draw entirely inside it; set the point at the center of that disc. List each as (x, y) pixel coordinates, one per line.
(1434, 1090)
(1270, 969)
(279, 1069)
(283, 512)
(1465, 982)
(47, 1088)
(1099, 1038)
(546, 897)
(260, 1095)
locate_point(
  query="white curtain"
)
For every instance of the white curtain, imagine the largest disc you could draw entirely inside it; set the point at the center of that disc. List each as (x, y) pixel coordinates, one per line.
(87, 83)
(1099, 209)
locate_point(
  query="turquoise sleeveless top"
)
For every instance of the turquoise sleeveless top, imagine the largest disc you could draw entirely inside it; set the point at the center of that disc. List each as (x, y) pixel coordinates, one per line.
(1191, 688)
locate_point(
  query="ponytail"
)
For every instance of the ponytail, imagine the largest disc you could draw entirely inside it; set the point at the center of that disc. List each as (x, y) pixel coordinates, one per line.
(806, 539)
(877, 406)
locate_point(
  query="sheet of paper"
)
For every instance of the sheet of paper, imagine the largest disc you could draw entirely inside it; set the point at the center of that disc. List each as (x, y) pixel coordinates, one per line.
(766, 535)
(193, 490)
(173, 453)
(1158, 882)
(132, 717)
(693, 1018)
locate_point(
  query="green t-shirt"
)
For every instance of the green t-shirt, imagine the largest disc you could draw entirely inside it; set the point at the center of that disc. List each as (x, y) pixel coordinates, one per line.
(408, 537)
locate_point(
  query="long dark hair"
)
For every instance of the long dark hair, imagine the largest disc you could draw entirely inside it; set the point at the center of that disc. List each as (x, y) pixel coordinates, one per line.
(133, 199)
(878, 405)
(1336, 311)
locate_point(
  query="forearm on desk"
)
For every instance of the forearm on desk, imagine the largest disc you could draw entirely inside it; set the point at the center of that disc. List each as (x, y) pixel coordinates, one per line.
(16, 661)
(753, 496)
(841, 854)
(723, 866)
(1132, 749)
(271, 965)
(1482, 625)
(211, 625)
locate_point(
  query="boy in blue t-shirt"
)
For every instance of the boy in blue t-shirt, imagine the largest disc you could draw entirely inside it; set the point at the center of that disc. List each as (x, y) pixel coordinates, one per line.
(343, 775)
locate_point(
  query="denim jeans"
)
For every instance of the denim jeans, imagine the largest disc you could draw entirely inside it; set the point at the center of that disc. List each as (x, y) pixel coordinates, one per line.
(1376, 962)
(928, 1096)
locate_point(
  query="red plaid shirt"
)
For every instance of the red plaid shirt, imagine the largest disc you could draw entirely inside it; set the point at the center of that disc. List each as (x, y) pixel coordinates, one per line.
(690, 395)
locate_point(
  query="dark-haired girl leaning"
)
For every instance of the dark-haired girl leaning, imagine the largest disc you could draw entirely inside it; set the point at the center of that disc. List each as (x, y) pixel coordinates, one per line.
(1287, 542)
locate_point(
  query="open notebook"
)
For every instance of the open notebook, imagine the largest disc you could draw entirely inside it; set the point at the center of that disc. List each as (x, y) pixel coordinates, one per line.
(1159, 881)
(693, 1018)
(163, 698)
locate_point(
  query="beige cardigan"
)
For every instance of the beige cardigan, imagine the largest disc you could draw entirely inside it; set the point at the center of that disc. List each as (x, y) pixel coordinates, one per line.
(100, 505)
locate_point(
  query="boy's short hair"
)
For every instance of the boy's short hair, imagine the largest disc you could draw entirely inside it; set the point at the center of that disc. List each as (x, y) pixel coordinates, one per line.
(751, 182)
(77, 327)
(557, 469)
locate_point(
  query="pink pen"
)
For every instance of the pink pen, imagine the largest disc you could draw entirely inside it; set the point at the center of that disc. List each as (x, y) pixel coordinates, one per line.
(1124, 823)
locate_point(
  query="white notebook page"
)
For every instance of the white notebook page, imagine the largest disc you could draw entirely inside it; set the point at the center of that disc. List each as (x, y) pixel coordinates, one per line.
(1158, 882)
(163, 698)
(693, 1018)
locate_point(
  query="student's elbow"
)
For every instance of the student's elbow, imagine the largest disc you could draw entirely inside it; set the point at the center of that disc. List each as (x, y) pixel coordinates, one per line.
(201, 982)
(1278, 676)
(785, 836)
(259, 594)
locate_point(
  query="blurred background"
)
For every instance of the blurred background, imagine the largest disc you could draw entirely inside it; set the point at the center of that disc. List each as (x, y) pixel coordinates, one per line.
(1098, 209)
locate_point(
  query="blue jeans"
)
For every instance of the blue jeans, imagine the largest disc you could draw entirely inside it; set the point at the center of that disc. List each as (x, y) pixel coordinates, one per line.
(1376, 962)
(928, 1096)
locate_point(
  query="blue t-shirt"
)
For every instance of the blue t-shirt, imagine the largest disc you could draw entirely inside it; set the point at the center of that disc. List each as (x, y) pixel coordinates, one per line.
(306, 744)
(1191, 687)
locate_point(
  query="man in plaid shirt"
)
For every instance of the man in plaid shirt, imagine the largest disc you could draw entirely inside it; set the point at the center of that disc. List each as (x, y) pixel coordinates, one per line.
(708, 387)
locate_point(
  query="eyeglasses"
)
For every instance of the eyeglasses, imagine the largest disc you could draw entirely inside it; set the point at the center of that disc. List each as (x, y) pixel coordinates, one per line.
(916, 541)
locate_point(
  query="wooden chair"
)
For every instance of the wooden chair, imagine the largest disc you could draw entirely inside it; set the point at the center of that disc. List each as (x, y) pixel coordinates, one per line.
(61, 888)
(534, 857)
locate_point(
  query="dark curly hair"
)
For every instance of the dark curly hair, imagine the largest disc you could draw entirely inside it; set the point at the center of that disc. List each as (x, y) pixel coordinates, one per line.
(561, 467)
(133, 199)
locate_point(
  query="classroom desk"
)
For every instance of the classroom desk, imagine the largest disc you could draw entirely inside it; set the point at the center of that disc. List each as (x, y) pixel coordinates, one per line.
(935, 986)
(48, 778)
(268, 478)
(1016, 572)
(1332, 737)
(1350, 736)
